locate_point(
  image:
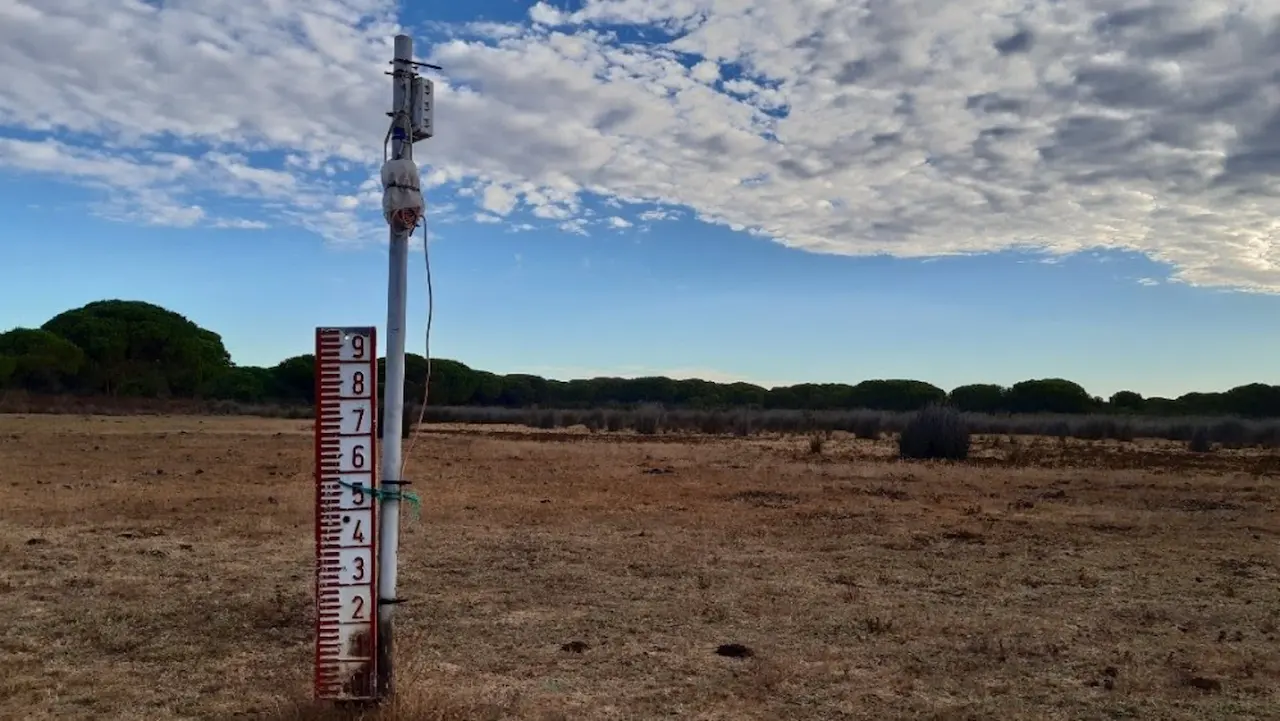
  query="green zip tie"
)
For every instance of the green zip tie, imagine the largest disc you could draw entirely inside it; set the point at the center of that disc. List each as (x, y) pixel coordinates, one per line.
(383, 494)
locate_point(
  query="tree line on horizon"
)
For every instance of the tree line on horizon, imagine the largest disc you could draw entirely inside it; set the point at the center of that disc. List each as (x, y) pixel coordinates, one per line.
(135, 349)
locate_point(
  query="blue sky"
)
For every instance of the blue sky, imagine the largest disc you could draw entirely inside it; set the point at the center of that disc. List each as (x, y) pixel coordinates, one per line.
(590, 216)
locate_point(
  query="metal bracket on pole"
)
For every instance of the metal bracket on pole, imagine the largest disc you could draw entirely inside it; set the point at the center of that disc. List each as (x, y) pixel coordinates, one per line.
(417, 64)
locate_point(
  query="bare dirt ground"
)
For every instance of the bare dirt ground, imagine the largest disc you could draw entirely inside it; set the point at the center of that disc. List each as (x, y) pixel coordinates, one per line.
(159, 568)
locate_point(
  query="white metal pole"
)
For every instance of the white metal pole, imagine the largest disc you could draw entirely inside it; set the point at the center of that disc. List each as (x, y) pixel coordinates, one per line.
(393, 398)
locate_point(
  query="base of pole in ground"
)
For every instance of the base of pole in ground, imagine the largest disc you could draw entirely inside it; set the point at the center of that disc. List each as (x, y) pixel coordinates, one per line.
(356, 705)
(386, 678)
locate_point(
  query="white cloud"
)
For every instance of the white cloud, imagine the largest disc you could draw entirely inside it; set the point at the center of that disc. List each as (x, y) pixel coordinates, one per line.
(137, 182)
(494, 31)
(616, 222)
(658, 214)
(577, 226)
(706, 71)
(544, 14)
(153, 188)
(915, 128)
(550, 211)
(148, 208)
(239, 178)
(498, 199)
(217, 81)
(240, 224)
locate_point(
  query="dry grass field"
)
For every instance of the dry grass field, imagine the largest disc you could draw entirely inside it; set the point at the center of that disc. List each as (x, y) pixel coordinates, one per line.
(158, 568)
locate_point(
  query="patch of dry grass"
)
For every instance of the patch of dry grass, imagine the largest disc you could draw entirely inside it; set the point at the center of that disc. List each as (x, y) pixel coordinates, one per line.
(159, 568)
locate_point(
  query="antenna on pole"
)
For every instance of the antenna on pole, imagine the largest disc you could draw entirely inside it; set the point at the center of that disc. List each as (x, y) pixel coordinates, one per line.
(412, 111)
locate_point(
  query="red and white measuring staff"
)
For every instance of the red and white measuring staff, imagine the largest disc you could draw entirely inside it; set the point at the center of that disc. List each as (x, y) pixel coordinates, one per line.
(346, 514)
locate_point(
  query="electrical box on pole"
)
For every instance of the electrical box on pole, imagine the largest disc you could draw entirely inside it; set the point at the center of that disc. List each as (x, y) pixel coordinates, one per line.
(422, 108)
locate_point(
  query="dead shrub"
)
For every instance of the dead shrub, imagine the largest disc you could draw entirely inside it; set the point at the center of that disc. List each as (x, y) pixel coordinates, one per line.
(937, 432)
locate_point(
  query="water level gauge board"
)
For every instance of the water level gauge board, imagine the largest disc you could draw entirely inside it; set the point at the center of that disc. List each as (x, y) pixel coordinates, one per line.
(346, 513)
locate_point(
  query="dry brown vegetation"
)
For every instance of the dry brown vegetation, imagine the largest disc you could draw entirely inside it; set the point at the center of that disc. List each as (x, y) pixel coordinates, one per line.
(158, 568)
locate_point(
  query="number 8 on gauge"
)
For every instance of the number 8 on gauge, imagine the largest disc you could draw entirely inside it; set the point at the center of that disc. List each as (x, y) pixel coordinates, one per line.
(356, 382)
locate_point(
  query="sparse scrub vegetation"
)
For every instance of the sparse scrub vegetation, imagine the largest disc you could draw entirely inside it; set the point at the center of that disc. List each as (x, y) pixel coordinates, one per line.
(594, 421)
(1231, 433)
(867, 426)
(860, 424)
(648, 419)
(863, 424)
(936, 433)
(130, 357)
(1200, 441)
(614, 421)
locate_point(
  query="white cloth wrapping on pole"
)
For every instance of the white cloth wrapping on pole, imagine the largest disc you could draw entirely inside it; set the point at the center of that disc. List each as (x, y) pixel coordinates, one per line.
(402, 203)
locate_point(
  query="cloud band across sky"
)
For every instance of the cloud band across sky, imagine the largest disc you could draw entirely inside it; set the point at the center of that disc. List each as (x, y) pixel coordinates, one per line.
(912, 128)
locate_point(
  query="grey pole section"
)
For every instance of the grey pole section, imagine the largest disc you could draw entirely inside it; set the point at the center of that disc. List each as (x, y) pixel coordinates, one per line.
(393, 398)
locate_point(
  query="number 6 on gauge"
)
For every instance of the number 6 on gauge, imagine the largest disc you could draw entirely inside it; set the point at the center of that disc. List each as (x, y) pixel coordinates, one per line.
(353, 455)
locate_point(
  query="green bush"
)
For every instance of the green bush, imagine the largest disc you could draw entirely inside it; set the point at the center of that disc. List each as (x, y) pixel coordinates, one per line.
(937, 432)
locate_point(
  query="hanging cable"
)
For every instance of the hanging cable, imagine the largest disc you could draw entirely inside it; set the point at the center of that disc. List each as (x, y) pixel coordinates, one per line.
(426, 386)
(408, 218)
